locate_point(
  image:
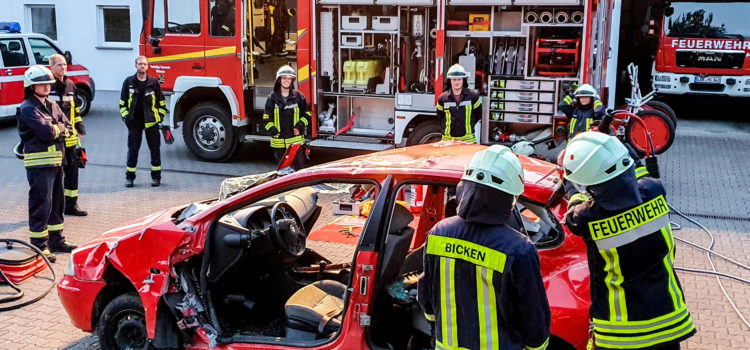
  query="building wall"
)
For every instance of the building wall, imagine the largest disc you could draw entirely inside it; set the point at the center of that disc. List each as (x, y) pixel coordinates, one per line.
(78, 32)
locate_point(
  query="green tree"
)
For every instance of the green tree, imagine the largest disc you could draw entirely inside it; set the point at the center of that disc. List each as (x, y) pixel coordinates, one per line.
(696, 24)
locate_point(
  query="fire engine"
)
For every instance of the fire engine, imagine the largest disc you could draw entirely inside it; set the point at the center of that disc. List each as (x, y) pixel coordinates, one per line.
(18, 52)
(703, 49)
(373, 69)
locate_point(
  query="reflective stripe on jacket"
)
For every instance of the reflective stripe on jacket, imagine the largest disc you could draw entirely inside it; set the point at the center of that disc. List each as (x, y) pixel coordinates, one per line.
(458, 119)
(482, 286)
(581, 118)
(154, 106)
(281, 117)
(42, 130)
(636, 298)
(64, 94)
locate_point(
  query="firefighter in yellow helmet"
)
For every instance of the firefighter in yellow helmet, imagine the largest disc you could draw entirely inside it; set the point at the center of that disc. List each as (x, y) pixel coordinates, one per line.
(286, 116)
(636, 298)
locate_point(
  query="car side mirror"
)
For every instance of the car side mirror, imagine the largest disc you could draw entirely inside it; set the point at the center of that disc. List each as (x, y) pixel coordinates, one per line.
(155, 45)
(668, 11)
(68, 57)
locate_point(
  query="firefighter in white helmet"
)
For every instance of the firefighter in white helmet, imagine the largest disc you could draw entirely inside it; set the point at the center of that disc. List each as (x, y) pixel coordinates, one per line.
(582, 108)
(286, 115)
(459, 108)
(43, 128)
(476, 257)
(624, 222)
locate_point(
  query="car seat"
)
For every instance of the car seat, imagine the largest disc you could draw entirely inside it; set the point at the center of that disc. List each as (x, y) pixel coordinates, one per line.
(15, 57)
(314, 311)
(4, 52)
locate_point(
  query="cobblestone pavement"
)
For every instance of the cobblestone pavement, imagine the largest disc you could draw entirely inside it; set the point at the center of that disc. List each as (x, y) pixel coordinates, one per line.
(705, 174)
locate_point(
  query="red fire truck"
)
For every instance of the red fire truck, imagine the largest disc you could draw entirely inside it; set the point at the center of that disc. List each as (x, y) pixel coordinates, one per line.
(372, 69)
(704, 48)
(19, 51)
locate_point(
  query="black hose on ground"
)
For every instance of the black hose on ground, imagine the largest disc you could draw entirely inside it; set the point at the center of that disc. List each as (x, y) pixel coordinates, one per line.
(19, 293)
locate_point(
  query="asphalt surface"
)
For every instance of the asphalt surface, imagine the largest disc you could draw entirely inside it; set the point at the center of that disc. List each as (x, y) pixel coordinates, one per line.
(705, 174)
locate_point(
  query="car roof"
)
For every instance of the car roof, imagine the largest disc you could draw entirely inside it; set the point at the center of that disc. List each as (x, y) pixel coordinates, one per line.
(27, 35)
(449, 158)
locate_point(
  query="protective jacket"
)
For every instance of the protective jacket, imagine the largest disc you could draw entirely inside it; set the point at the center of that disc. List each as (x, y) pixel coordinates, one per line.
(581, 117)
(154, 106)
(43, 129)
(281, 116)
(636, 299)
(458, 118)
(482, 284)
(64, 94)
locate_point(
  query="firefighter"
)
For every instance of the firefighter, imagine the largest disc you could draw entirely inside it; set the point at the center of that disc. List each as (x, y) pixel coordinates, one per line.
(43, 128)
(636, 299)
(286, 116)
(459, 109)
(64, 93)
(142, 108)
(482, 283)
(582, 112)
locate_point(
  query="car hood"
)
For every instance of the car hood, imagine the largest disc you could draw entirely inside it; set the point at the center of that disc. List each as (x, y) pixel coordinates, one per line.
(134, 227)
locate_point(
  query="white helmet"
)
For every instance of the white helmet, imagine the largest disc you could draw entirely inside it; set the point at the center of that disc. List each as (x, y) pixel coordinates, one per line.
(592, 158)
(37, 75)
(524, 148)
(496, 167)
(585, 90)
(286, 71)
(457, 71)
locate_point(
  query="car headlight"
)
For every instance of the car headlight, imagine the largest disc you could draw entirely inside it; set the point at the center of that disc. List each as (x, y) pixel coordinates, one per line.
(661, 78)
(69, 268)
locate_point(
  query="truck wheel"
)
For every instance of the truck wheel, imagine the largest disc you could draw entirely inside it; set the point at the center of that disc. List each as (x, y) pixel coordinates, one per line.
(659, 126)
(208, 132)
(664, 108)
(123, 324)
(428, 131)
(83, 101)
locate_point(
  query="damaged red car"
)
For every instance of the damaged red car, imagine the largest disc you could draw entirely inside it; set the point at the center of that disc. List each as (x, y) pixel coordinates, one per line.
(323, 258)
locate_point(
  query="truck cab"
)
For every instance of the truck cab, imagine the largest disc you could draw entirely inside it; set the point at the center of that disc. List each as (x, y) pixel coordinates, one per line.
(18, 52)
(704, 49)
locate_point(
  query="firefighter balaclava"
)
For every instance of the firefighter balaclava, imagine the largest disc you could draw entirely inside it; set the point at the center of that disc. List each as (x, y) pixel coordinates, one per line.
(489, 186)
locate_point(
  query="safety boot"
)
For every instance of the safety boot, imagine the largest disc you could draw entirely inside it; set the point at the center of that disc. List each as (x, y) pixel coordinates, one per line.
(63, 247)
(155, 182)
(75, 211)
(51, 257)
(129, 182)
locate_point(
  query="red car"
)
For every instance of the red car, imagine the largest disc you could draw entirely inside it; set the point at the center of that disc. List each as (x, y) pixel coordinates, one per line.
(324, 258)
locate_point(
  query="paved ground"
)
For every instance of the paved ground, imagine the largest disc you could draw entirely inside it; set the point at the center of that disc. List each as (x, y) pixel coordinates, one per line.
(705, 174)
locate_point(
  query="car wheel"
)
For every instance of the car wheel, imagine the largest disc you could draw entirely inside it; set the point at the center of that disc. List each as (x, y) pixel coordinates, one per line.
(83, 101)
(123, 325)
(428, 131)
(208, 132)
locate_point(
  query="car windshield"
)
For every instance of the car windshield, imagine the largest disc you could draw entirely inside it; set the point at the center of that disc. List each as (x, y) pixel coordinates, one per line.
(709, 20)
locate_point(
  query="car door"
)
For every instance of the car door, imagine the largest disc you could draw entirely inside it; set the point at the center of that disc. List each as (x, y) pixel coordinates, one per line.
(15, 61)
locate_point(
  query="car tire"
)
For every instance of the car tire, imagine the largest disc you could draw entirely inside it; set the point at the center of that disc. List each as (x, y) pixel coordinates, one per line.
(83, 101)
(428, 131)
(664, 108)
(122, 324)
(208, 132)
(661, 128)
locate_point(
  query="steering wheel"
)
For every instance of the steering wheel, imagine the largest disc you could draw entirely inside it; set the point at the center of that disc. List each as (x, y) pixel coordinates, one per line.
(287, 230)
(181, 28)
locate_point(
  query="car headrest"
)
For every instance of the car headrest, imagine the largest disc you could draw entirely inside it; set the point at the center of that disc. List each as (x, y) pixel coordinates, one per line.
(401, 219)
(3, 47)
(14, 46)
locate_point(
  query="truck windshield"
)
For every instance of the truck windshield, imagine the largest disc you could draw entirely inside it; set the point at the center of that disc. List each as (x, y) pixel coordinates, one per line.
(709, 20)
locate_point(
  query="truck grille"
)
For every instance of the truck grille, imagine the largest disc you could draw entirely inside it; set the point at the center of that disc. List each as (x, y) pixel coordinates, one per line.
(710, 59)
